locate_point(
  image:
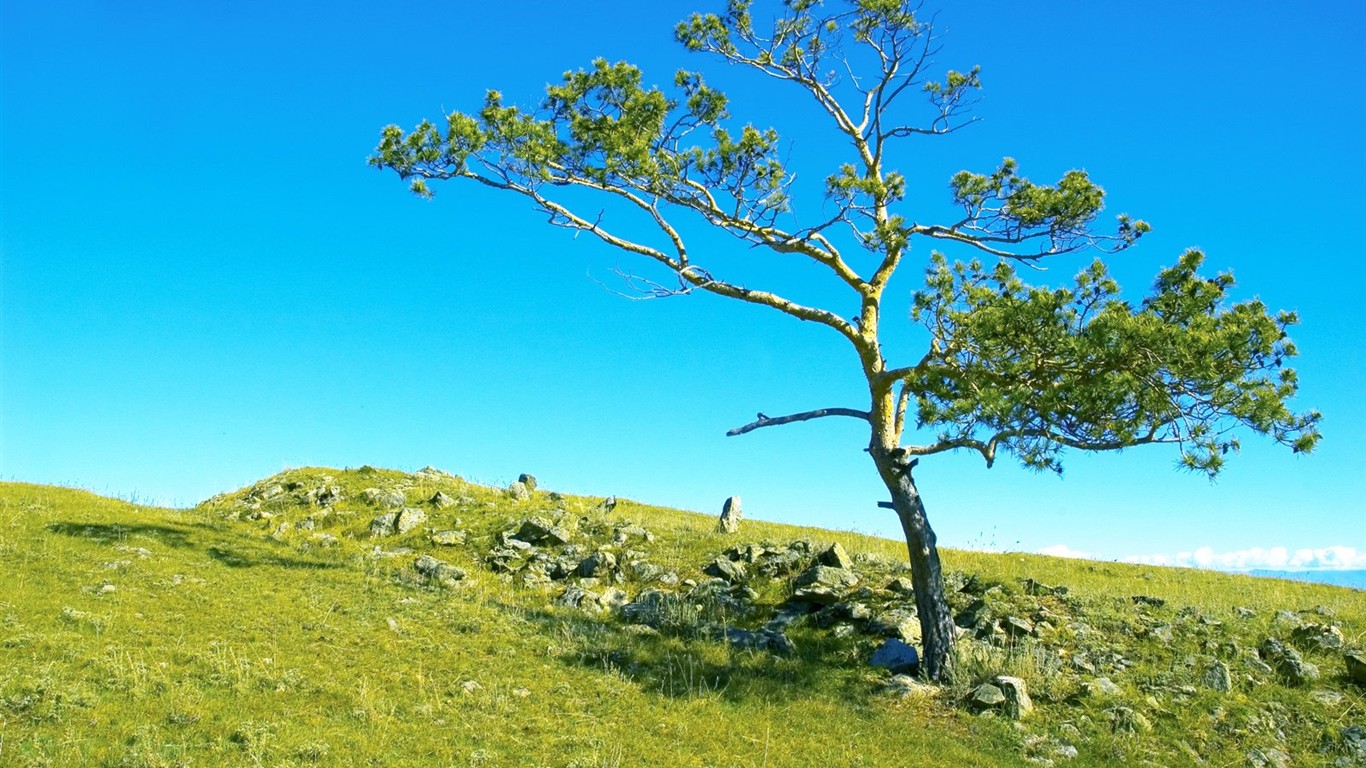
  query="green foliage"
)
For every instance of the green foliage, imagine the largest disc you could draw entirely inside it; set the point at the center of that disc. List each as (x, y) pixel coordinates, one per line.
(1033, 370)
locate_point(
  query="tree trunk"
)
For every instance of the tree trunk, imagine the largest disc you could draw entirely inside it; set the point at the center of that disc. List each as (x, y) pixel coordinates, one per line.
(936, 621)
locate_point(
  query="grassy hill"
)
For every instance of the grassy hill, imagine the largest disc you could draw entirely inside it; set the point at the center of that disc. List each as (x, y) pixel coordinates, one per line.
(291, 623)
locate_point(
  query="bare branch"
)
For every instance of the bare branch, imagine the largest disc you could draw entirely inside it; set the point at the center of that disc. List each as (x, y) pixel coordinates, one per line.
(773, 421)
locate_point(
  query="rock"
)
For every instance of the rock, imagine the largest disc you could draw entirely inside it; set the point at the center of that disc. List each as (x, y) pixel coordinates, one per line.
(1039, 589)
(896, 656)
(432, 473)
(1017, 627)
(1288, 662)
(986, 697)
(324, 496)
(448, 538)
(1100, 686)
(1320, 637)
(408, 519)
(906, 686)
(1287, 617)
(518, 491)
(901, 586)
(1018, 704)
(383, 525)
(976, 616)
(731, 514)
(623, 534)
(1127, 720)
(1244, 613)
(1148, 600)
(823, 585)
(898, 622)
(1218, 678)
(1326, 698)
(539, 530)
(1268, 758)
(597, 565)
(765, 639)
(383, 499)
(1356, 665)
(527, 479)
(578, 597)
(440, 500)
(438, 571)
(608, 504)
(725, 568)
(835, 557)
(1354, 742)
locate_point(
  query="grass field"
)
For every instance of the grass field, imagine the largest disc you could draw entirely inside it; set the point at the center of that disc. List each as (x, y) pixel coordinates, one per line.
(274, 627)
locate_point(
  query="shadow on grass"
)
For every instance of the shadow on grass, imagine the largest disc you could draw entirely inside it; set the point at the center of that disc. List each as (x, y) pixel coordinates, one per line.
(683, 666)
(237, 559)
(111, 533)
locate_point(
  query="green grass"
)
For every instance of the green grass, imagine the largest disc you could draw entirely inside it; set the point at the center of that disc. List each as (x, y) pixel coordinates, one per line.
(139, 636)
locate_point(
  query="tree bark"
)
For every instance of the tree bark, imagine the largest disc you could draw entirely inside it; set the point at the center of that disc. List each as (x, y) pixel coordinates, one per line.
(936, 621)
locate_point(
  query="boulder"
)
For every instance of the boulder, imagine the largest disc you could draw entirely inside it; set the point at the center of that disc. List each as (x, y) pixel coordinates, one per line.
(765, 639)
(540, 530)
(897, 622)
(1018, 704)
(518, 491)
(440, 500)
(731, 514)
(1356, 666)
(528, 480)
(408, 519)
(986, 697)
(896, 656)
(623, 534)
(1318, 637)
(384, 499)
(438, 571)
(383, 525)
(835, 557)
(1218, 678)
(608, 504)
(725, 568)
(597, 565)
(1288, 662)
(1017, 627)
(901, 586)
(823, 585)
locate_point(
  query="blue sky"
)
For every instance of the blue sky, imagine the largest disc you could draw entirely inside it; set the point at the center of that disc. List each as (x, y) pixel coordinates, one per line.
(203, 284)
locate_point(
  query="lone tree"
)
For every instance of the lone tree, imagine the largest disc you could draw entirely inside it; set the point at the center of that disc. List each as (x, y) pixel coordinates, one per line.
(1008, 368)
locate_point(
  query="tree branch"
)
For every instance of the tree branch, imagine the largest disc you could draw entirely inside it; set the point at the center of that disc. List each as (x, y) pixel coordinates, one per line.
(773, 421)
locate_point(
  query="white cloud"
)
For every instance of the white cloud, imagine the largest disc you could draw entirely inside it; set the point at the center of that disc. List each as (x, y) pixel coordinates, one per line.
(1335, 558)
(1062, 550)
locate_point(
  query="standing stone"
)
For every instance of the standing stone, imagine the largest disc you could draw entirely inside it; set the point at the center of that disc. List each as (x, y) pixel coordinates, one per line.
(730, 516)
(528, 480)
(1018, 704)
(835, 557)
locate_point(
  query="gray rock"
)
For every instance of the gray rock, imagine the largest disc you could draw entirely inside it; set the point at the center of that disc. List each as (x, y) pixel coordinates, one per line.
(383, 499)
(902, 586)
(725, 568)
(1268, 758)
(1126, 720)
(896, 656)
(1100, 686)
(731, 515)
(1288, 662)
(578, 597)
(1017, 627)
(1018, 704)
(518, 491)
(440, 500)
(1244, 613)
(623, 534)
(765, 639)
(905, 686)
(898, 622)
(324, 496)
(432, 473)
(540, 530)
(1326, 698)
(608, 504)
(1218, 678)
(438, 571)
(383, 525)
(1320, 637)
(823, 585)
(835, 557)
(448, 538)
(528, 480)
(1356, 665)
(597, 565)
(986, 697)
(408, 519)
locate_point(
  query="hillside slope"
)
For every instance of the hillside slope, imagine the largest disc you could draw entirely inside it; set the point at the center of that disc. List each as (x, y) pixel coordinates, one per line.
(371, 617)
